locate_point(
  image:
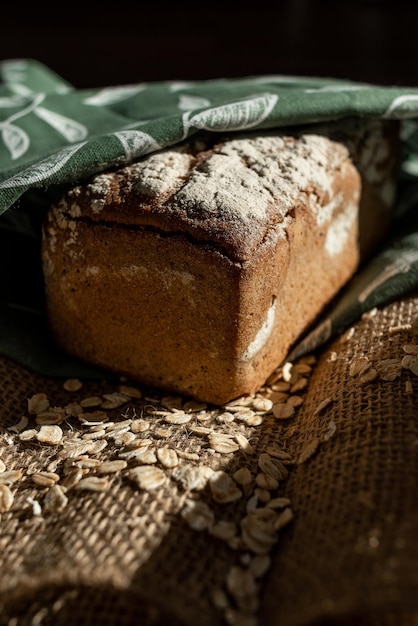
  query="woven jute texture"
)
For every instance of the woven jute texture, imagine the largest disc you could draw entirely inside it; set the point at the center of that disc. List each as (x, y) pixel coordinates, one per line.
(295, 507)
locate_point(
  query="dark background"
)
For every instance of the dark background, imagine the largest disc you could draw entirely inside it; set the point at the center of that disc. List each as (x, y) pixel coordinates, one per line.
(92, 44)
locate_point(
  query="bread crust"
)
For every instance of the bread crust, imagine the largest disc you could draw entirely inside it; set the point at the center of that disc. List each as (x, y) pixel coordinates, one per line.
(197, 268)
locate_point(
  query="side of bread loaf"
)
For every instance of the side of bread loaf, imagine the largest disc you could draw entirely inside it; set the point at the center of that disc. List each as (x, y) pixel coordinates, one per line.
(196, 268)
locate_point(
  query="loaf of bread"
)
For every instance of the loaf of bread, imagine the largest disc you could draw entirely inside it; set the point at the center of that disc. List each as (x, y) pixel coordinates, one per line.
(196, 268)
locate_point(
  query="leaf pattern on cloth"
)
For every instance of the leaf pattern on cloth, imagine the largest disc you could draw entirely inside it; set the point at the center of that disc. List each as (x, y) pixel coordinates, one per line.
(42, 171)
(52, 134)
(136, 143)
(69, 129)
(112, 95)
(15, 139)
(234, 116)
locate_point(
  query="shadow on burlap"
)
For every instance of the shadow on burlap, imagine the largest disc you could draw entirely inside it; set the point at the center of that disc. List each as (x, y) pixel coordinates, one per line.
(126, 555)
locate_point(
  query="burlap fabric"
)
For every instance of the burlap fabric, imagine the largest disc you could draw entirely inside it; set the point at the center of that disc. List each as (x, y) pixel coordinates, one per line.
(138, 553)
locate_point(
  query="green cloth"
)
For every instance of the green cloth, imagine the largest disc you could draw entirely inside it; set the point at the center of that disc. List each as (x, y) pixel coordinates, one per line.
(53, 136)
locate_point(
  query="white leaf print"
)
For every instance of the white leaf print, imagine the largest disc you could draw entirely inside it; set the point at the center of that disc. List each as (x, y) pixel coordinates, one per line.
(403, 107)
(41, 171)
(234, 116)
(177, 85)
(15, 139)
(68, 128)
(12, 101)
(111, 95)
(136, 143)
(188, 103)
(337, 88)
(22, 90)
(401, 265)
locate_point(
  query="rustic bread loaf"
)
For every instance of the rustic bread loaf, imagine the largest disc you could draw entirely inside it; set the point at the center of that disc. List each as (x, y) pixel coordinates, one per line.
(196, 268)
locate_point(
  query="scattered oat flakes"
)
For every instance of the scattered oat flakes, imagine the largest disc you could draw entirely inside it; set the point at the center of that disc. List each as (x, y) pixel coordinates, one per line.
(37, 403)
(28, 435)
(45, 479)
(263, 495)
(197, 515)
(299, 385)
(332, 427)
(193, 478)
(295, 401)
(259, 565)
(91, 401)
(162, 433)
(8, 477)
(279, 396)
(148, 477)
(258, 530)
(2, 466)
(178, 418)
(223, 487)
(279, 502)
(265, 481)
(359, 365)
(220, 599)
(243, 476)
(21, 425)
(114, 400)
(290, 374)
(72, 384)
(188, 456)
(323, 405)
(303, 368)
(130, 392)
(244, 444)
(272, 467)
(93, 483)
(410, 362)
(6, 498)
(167, 457)
(284, 518)
(94, 434)
(369, 376)
(55, 499)
(73, 409)
(249, 418)
(143, 456)
(410, 348)
(139, 426)
(309, 450)
(389, 369)
(200, 430)
(283, 411)
(222, 443)
(50, 434)
(72, 478)
(110, 467)
(262, 404)
(223, 529)
(225, 418)
(123, 439)
(241, 584)
(274, 450)
(53, 415)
